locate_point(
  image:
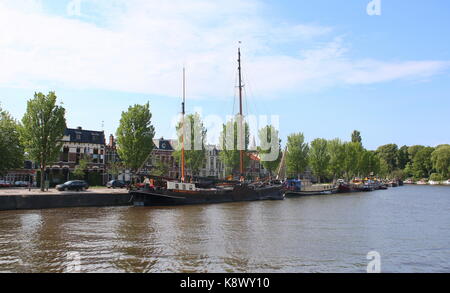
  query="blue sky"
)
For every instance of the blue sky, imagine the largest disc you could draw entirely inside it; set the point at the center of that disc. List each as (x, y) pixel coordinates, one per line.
(324, 67)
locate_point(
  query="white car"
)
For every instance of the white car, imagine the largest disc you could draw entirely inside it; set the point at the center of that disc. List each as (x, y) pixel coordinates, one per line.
(21, 184)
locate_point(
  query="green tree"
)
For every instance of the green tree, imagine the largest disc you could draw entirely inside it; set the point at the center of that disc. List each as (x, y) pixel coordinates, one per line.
(384, 168)
(135, 136)
(297, 154)
(229, 146)
(440, 159)
(319, 159)
(160, 169)
(11, 150)
(356, 136)
(413, 150)
(270, 151)
(336, 152)
(436, 177)
(397, 174)
(353, 151)
(403, 157)
(114, 168)
(43, 127)
(389, 153)
(194, 143)
(408, 171)
(422, 166)
(80, 169)
(365, 163)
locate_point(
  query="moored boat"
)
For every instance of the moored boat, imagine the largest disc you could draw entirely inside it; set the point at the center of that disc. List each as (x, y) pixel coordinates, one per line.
(294, 187)
(177, 193)
(174, 192)
(422, 182)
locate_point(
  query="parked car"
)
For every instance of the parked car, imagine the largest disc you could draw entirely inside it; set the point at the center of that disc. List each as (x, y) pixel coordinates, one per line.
(116, 184)
(21, 184)
(4, 183)
(76, 185)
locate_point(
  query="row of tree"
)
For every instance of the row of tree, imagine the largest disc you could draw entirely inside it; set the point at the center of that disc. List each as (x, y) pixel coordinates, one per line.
(38, 137)
(332, 159)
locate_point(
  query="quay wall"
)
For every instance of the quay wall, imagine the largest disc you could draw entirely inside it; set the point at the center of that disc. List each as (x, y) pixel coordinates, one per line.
(32, 202)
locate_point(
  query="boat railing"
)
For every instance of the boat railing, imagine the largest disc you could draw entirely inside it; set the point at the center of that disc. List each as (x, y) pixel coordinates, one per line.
(321, 187)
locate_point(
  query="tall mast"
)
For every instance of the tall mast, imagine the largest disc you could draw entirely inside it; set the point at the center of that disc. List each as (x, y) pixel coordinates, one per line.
(241, 116)
(182, 125)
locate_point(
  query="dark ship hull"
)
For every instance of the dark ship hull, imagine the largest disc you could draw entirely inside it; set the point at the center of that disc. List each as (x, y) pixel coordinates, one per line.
(148, 197)
(310, 193)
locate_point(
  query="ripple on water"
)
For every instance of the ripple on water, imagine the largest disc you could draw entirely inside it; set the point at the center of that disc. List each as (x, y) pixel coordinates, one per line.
(408, 226)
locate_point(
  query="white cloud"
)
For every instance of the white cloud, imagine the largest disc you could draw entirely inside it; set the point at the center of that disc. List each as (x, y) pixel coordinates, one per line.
(141, 46)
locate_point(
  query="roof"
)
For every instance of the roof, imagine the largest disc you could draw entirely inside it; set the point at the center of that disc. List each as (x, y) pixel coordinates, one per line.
(165, 144)
(85, 136)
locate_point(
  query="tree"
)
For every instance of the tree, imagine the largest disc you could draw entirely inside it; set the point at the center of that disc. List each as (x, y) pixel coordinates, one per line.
(389, 153)
(353, 151)
(440, 159)
(422, 166)
(270, 149)
(364, 163)
(436, 177)
(403, 157)
(384, 168)
(319, 159)
(194, 143)
(79, 171)
(412, 151)
(42, 130)
(135, 136)
(11, 151)
(114, 168)
(229, 145)
(297, 154)
(356, 136)
(161, 169)
(336, 152)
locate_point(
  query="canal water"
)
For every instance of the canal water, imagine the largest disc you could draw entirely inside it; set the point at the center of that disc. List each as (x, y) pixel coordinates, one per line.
(409, 227)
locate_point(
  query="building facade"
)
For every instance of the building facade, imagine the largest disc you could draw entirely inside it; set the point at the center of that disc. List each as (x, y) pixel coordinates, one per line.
(80, 144)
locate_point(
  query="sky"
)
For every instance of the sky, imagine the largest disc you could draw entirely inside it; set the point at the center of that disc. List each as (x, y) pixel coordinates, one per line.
(324, 67)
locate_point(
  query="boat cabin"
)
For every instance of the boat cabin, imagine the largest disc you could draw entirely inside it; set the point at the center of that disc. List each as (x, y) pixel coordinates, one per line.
(293, 185)
(180, 186)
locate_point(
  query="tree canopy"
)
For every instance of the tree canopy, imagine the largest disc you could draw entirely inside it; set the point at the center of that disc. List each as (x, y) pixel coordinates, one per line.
(270, 149)
(42, 130)
(11, 150)
(297, 154)
(319, 158)
(194, 136)
(230, 147)
(135, 136)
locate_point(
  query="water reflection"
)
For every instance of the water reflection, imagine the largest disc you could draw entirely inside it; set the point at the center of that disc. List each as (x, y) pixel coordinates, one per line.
(408, 226)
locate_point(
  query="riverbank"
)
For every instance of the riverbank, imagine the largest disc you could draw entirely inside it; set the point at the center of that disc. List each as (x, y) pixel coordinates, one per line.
(24, 199)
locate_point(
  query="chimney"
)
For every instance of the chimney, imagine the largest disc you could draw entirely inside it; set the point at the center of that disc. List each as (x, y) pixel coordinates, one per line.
(79, 128)
(112, 143)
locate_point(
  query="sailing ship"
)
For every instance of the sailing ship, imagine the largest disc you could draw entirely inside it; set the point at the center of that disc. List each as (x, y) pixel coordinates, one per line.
(180, 192)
